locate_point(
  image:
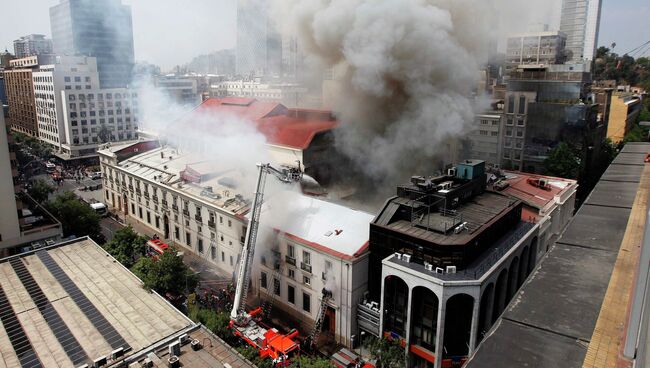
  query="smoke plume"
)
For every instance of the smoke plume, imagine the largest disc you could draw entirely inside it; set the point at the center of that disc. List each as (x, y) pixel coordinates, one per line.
(405, 71)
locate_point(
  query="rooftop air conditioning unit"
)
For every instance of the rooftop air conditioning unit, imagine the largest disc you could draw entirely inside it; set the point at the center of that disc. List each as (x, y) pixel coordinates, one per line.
(451, 171)
(406, 258)
(196, 345)
(451, 269)
(182, 339)
(117, 353)
(173, 362)
(439, 270)
(147, 363)
(428, 266)
(175, 349)
(398, 255)
(99, 362)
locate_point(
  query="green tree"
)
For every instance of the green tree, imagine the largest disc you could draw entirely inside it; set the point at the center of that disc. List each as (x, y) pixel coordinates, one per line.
(166, 274)
(40, 190)
(77, 218)
(127, 246)
(305, 361)
(253, 356)
(387, 354)
(104, 134)
(563, 162)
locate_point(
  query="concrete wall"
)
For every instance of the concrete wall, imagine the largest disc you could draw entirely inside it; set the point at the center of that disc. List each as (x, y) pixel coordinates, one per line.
(9, 228)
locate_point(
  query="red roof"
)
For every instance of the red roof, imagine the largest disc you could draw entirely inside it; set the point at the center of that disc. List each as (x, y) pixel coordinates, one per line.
(294, 128)
(521, 188)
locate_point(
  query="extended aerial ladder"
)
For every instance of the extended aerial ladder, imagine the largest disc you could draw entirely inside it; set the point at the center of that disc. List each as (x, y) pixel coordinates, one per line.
(268, 342)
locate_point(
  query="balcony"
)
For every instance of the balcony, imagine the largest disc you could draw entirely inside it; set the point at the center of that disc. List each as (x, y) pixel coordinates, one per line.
(163, 203)
(305, 267)
(130, 187)
(290, 260)
(138, 191)
(155, 198)
(175, 207)
(212, 224)
(186, 212)
(198, 218)
(146, 195)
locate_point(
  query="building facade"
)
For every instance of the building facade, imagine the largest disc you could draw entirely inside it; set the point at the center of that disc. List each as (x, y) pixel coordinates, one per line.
(624, 111)
(97, 28)
(285, 93)
(538, 48)
(484, 141)
(33, 44)
(74, 114)
(580, 21)
(19, 89)
(181, 90)
(451, 256)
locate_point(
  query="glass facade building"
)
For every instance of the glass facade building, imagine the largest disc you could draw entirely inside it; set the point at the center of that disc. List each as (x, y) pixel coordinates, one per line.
(581, 22)
(99, 28)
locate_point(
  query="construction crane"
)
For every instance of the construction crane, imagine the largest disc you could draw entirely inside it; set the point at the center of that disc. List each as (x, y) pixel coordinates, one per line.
(247, 325)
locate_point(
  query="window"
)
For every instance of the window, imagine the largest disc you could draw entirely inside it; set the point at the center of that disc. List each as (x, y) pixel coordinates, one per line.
(223, 257)
(522, 105)
(291, 294)
(306, 280)
(229, 223)
(306, 257)
(292, 274)
(66, 79)
(77, 79)
(188, 239)
(140, 212)
(231, 263)
(148, 217)
(494, 134)
(306, 302)
(520, 122)
(291, 251)
(177, 233)
(276, 287)
(213, 252)
(483, 132)
(200, 245)
(511, 104)
(132, 208)
(220, 220)
(263, 283)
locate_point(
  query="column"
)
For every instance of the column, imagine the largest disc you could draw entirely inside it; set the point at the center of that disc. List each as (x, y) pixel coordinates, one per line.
(489, 307)
(475, 326)
(440, 333)
(381, 305)
(407, 331)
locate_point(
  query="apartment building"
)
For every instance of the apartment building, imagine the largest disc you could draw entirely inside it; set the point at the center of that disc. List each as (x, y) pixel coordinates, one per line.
(33, 44)
(624, 110)
(483, 141)
(74, 115)
(290, 94)
(537, 48)
(19, 89)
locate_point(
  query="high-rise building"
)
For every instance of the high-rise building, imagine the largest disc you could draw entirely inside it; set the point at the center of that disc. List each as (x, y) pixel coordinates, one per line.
(74, 115)
(19, 90)
(539, 48)
(259, 46)
(98, 28)
(33, 44)
(580, 21)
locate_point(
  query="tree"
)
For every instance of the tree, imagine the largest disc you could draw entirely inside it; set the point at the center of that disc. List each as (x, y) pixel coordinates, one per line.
(305, 361)
(387, 354)
(40, 190)
(563, 162)
(127, 246)
(77, 218)
(104, 134)
(167, 274)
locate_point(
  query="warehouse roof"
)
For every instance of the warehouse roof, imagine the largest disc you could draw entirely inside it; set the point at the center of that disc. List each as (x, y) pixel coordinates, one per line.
(71, 303)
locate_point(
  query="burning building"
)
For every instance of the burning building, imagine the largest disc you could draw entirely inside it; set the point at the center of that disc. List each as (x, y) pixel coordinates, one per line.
(451, 255)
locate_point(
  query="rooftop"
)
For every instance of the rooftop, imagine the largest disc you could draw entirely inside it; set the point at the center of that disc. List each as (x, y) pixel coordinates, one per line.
(335, 229)
(71, 303)
(537, 191)
(559, 305)
(292, 128)
(168, 167)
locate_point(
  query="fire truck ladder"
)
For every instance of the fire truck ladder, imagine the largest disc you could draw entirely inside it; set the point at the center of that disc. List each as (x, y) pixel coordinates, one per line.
(318, 326)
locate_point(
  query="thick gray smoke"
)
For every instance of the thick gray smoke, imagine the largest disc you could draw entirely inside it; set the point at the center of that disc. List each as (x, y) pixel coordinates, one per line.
(405, 69)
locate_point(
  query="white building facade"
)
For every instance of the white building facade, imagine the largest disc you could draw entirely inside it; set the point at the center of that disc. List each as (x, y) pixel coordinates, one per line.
(286, 93)
(74, 115)
(580, 21)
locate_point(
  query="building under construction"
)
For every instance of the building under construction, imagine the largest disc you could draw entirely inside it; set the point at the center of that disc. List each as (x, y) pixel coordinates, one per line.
(451, 255)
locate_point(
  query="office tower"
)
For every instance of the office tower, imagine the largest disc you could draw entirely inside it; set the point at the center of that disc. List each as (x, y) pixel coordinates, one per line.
(581, 22)
(33, 44)
(97, 28)
(259, 46)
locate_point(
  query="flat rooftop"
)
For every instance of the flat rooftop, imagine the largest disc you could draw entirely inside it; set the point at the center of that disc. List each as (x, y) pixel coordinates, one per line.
(552, 319)
(71, 303)
(477, 213)
(217, 186)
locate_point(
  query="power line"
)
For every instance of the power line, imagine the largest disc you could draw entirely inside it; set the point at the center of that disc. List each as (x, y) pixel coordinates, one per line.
(636, 48)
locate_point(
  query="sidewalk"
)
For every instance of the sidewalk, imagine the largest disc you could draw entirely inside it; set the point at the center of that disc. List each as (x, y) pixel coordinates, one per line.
(209, 274)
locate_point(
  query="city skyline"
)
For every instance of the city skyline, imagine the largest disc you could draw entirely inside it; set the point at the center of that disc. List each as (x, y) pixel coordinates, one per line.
(192, 36)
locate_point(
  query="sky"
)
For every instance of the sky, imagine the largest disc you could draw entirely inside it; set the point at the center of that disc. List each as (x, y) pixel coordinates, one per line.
(172, 32)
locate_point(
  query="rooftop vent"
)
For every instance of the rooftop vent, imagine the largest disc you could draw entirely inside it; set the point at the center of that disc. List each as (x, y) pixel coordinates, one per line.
(99, 362)
(451, 269)
(175, 348)
(406, 258)
(173, 361)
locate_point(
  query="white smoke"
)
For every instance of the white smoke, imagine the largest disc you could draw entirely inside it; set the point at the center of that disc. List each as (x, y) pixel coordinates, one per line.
(406, 72)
